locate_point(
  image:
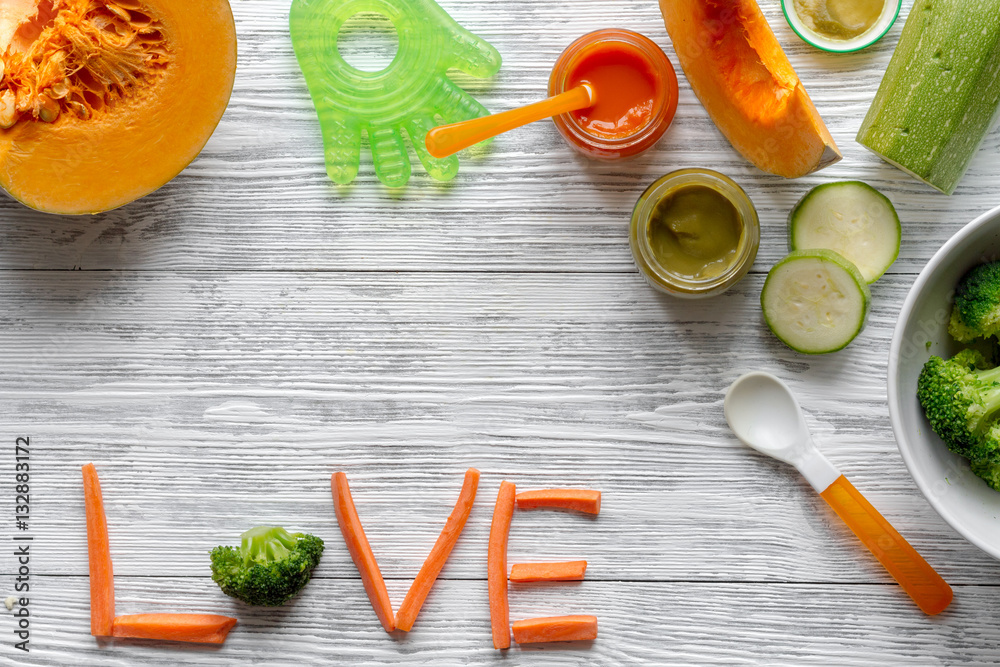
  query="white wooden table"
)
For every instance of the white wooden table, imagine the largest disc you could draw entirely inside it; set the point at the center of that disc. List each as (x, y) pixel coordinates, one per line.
(219, 348)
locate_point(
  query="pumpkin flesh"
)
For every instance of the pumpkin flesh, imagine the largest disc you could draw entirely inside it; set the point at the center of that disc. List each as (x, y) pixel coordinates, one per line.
(738, 70)
(101, 103)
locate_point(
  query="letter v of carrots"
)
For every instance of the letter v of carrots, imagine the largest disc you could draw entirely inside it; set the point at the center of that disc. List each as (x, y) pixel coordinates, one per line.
(364, 559)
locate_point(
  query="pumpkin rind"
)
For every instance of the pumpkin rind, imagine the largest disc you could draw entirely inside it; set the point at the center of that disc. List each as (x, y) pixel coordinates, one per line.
(128, 150)
(744, 80)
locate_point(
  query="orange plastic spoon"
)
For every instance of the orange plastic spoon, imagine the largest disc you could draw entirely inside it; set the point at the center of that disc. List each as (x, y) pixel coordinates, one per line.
(764, 414)
(448, 139)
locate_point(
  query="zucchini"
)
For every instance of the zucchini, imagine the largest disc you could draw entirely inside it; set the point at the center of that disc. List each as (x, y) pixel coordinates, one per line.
(941, 92)
(851, 218)
(815, 301)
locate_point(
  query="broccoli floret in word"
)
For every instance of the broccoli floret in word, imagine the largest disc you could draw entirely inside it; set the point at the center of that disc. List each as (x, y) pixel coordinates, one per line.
(270, 566)
(959, 396)
(976, 313)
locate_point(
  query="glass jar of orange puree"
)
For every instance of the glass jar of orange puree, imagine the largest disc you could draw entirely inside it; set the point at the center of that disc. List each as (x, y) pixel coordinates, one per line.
(636, 90)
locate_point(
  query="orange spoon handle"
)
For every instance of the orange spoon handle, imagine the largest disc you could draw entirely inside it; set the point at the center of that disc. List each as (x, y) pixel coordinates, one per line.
(448, 139)
(920, 581)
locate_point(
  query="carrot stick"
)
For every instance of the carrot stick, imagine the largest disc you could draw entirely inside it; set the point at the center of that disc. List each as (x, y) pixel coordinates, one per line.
(496, 565)
(581, 500)
(361, 551)
(432, 567)
(200, 628)
(102, 582)
(555, 629)
(569, 571)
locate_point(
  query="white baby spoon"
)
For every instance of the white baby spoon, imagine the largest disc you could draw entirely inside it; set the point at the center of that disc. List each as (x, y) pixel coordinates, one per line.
(764, 414)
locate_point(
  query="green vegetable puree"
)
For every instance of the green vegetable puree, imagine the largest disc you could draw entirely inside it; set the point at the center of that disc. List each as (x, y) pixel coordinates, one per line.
(839, 19)
(694, 232)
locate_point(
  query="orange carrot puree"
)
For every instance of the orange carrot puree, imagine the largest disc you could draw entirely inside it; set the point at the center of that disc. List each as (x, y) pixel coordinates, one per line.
(625, 85)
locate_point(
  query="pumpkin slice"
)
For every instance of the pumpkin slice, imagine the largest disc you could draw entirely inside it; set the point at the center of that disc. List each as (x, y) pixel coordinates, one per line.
(739, 72)
(103, 102)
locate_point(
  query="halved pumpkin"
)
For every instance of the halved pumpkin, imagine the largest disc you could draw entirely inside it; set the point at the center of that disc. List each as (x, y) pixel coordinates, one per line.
(103, 102)
(739, 72)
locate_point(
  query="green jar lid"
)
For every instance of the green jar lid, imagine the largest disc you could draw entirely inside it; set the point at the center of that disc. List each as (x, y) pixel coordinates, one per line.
(885, 21)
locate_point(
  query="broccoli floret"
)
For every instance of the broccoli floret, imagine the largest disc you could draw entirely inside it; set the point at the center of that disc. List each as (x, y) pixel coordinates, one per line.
(990, 473)
(987, 449)
(270, 566)
(958, 397)
(959, 330)
(976, 313)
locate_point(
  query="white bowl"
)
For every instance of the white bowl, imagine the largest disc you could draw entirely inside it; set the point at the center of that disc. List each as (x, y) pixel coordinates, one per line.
(961, 498)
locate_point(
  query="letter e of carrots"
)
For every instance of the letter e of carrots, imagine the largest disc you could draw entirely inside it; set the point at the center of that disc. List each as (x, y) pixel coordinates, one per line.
(552, 628)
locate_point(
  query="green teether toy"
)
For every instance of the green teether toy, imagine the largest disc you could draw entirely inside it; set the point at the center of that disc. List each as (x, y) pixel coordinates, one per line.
(411, 95)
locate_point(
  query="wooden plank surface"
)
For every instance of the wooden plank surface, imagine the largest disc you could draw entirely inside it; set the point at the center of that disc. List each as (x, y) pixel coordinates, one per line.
(640, 623)
(258, 197)
(237, 336)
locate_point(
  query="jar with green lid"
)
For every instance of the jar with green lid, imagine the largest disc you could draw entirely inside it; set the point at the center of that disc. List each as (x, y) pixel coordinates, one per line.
(694, 233)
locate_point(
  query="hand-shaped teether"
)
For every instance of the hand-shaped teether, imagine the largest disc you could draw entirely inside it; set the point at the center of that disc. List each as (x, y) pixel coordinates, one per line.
(410, 95)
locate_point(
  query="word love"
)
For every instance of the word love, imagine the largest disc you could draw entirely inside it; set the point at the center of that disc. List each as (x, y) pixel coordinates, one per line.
(534, 630)
(213, 628)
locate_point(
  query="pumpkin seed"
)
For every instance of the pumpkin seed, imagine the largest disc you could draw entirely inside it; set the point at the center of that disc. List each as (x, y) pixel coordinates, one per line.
(59, 90)
(22, 102)
(118, 11)
(8, 114)
(48, 110)
(82, 111)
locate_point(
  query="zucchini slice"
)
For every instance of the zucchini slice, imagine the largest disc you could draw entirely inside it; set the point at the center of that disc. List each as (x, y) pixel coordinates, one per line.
(815, 301)
(852, 219)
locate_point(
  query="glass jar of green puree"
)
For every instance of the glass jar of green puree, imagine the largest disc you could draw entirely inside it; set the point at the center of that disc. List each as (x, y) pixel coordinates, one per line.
(694, 233)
